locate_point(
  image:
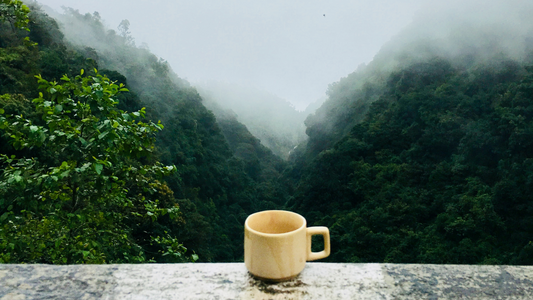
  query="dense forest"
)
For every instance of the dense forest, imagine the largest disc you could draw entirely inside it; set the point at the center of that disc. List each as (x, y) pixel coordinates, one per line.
(173, 186)
(425, 155)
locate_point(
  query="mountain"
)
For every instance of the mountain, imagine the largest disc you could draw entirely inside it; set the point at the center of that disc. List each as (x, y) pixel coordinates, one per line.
(424, 155)
(274, 121)
(222, 173)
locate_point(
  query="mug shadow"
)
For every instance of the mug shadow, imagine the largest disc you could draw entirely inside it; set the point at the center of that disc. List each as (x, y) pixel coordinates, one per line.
(258, 288)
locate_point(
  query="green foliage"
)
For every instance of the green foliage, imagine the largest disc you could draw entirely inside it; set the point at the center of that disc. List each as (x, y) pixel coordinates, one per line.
(425, 160)
(224, 172)
(78, 170)
(437, 171)
(15, 12)
(82, 198)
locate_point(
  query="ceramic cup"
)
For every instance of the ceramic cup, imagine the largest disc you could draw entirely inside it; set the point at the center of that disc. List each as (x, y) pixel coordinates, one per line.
(277, 244)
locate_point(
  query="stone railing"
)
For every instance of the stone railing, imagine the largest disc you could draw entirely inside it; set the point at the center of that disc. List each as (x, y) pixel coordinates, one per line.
(232, 281)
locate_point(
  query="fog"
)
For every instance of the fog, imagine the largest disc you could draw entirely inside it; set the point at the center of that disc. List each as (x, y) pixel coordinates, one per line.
(470, 36)
(474, 29)
(292, 49)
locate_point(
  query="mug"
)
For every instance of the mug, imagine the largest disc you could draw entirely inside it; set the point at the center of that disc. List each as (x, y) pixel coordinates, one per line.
(277, 244)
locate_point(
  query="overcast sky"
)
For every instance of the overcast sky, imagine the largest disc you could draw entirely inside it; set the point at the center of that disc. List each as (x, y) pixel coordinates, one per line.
(291, 48)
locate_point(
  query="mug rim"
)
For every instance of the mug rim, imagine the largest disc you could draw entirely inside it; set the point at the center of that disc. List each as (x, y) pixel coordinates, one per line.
(247, 227)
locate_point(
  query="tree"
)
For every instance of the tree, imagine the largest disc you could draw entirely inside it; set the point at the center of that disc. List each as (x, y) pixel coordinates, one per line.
(15, 12)
(90, 186)
(124, 29)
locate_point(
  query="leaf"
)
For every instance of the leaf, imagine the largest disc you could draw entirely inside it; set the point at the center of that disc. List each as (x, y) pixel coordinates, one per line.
(98, 168)
(4, 216)
(2, 111)
(102, 135)
(42, 137)
(33, 128)
(85, 166)
(82, 71)
(59, 108)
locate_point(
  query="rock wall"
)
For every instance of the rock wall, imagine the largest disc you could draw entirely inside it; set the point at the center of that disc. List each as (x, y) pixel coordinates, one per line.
(232, 281)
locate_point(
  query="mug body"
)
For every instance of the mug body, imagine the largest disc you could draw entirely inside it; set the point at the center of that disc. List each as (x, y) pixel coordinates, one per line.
(275, 244)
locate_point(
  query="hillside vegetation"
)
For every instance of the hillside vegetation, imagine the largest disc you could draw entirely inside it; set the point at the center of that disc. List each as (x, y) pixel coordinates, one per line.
(425, 155)
(214, 178)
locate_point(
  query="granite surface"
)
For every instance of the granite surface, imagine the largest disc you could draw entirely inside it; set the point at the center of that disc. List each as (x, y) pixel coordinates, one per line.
(232, 281)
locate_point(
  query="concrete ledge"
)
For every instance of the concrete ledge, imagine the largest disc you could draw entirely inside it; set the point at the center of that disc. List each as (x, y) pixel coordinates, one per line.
(232, 281)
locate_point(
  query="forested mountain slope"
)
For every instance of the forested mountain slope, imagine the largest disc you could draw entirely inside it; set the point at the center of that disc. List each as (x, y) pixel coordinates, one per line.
(464, 33)
(224, 181)
(425, 155)
(439, 170)
(214, 188)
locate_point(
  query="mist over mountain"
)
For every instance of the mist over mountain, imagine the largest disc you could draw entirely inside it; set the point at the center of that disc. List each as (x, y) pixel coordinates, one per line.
(288, 48)
(274, 121)
(463, 33)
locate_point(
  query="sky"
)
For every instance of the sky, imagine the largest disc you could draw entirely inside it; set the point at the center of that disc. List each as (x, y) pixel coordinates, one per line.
(293, 49)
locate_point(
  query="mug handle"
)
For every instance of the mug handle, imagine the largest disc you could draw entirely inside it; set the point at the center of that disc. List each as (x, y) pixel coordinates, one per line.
(324, 231)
